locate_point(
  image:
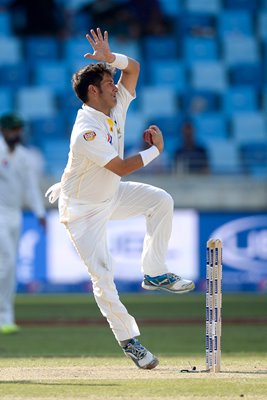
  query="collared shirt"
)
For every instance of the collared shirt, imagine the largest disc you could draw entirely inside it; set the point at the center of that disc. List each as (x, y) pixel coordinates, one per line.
(95, 140)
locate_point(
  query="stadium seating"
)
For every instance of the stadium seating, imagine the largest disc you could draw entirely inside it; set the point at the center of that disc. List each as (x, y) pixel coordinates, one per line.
(204, 6)
(158, 100)
(164, 48)
(35, 102)
(200, 49)
(41, 49)
(224, 156)
(249, 127)
(240, 98)
(209, 75)
(171, 73)
(53, 75)
(254, 158)
(241, 49)
(11, 52)
(5, 24)
(199, 101)
(210, 126)
(14, 76)
(6, 100)
(249, 74)
(237, 22)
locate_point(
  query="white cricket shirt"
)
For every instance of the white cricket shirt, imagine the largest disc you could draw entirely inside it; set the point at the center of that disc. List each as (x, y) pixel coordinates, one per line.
(95, 140)
(19, 186)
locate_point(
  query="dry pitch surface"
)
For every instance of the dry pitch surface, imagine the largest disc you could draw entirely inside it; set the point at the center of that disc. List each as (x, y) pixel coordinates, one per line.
(115, 378)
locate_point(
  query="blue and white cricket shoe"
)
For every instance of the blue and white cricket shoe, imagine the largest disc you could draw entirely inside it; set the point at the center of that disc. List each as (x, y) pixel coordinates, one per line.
(140, 355)
(169, 282)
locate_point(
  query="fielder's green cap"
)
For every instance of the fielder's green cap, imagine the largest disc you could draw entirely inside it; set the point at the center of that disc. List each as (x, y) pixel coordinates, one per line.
(10, 121)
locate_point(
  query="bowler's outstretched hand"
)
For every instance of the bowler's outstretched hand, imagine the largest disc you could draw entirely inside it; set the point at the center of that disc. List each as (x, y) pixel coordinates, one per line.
(100, 46)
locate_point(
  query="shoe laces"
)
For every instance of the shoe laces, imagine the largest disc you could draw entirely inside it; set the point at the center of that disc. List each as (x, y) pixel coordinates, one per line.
(136, 349)
(173, 277)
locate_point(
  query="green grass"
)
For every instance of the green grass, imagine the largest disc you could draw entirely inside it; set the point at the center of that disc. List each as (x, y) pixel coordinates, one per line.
(84, 361)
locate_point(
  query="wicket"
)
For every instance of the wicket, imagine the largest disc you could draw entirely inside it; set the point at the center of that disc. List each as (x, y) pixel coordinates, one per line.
(213, 305)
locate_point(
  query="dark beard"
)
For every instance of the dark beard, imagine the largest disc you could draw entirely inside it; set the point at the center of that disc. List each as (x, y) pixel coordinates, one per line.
(12, 142)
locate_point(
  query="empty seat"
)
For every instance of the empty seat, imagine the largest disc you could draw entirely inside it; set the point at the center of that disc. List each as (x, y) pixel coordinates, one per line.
(6, 100)
(235, 23)
(170, 8)
(210, 126)
(5, 23)
(129, 47)
(52, 74)
(249, 127)
(254, 158)
(41, 48)
(134, 127)
(240, 98)
(75, 48)
(199, 101)
(51, 127)
(249, 74)
(209, 76)
(262, 25)
(158, 101)
(224, 156)
(14, 75)
(171, 73)
(35, 102)
(204, 6)
(56, 155)
(160, 47)
(251, 5)
(10, 50)
(195, 24)
(240, 49)
(200, 49)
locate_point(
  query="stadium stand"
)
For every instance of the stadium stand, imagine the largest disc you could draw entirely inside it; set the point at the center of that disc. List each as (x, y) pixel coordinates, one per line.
(206, 61)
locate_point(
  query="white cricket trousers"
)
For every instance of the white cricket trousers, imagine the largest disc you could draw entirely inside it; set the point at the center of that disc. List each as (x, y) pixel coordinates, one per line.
(89, 236)
(10, 225)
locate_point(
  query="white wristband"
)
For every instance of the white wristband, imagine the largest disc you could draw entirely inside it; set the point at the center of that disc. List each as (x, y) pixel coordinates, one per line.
(149, 154)
(121, 61)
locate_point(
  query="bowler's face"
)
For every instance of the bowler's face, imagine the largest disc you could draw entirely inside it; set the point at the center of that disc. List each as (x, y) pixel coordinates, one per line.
(108, 91)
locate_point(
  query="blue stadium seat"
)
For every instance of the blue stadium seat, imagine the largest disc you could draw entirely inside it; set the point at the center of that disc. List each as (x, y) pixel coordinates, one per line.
(254, 158)
(157, 47)
(195, 24)
(240, 98)
(129, 47)
(209, 75)
(170, 8)
(199, 101)
(200, 49)
(171, 73)
(14, 75)
(75, 48)
(235, 23)
(224, 156)
(41, 48)
(35, 102)
(56, 154)
(52, 74)
(250, 5)
(210, 126)
(247, 74)
(240, 49)
(262, 25)
(5, 23)
(158, 101)
(51, 127)
(11, 52)
(6, 100)
(249, 127)
(204, 6)
(134, 127)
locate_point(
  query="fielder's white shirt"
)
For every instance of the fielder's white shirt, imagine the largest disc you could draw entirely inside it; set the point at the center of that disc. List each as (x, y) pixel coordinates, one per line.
(95, 140)
(19, 186)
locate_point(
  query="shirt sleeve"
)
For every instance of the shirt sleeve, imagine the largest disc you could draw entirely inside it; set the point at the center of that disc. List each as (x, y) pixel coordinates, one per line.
(93, 144)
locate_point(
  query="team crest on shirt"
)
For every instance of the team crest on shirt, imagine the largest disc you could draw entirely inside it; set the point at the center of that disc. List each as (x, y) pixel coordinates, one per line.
(89, 136)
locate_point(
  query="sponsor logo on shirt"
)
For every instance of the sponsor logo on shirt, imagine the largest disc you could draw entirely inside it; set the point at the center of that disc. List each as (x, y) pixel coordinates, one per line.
(89, 136)
(109, 138)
